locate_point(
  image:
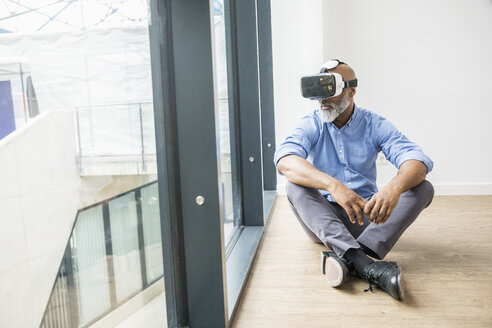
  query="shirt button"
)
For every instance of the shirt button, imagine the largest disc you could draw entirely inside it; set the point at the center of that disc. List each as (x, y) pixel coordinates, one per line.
(339, 132)
(350, 183)
(346, 168)
(340, 150)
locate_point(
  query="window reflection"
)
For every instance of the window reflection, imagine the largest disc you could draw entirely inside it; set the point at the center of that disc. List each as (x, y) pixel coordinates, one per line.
(231, 224)
(78, 159)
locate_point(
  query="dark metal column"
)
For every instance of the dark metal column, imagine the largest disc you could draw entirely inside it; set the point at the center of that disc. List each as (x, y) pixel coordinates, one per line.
(232, 91)
(166, 136)
(249, 112)
(266, 94)
(184, 106)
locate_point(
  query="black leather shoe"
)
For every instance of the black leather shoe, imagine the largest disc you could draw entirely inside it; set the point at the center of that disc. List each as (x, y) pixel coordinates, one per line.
(387, 276)
(335, 269)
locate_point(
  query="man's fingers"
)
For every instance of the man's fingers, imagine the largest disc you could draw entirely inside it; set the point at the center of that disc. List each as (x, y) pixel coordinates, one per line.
(386, 217)
(382, 214)
(351, 217)
(375, 211)
(350, 214)
(369, 206)
(361, 219)
(362, 204)
(388, 213)
(360, 216)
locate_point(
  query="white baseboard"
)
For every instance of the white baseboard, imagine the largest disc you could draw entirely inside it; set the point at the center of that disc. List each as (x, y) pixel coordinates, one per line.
(463, 189)
(281, 189)
(440, 189)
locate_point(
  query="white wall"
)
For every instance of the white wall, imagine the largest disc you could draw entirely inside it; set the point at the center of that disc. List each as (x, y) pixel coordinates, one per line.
(38, 202)
(423, 64)
(40, 193)
(297, 45)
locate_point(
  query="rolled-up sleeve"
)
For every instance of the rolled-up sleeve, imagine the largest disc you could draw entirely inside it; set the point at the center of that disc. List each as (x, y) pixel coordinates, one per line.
(397, 147)
(301, 139)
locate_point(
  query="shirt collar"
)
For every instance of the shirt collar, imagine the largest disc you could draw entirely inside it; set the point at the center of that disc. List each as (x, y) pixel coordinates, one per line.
(354, 115)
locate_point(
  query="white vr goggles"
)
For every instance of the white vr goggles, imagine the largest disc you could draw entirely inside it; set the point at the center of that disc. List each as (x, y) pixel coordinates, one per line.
(324, 84)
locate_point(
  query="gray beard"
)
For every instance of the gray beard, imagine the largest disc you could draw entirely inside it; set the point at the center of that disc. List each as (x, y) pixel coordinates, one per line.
(336, 109)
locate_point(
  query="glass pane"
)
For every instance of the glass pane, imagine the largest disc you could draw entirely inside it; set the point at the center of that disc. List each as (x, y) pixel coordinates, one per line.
(58, 311)
(231, 222)
(89, 262)
(152, 232)
(124, 240)
(77, 143)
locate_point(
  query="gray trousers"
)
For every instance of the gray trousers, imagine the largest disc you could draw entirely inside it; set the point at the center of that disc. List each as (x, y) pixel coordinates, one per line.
(327, 222)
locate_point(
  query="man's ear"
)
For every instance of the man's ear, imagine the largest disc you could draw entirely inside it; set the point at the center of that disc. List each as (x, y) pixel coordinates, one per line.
(353, 91)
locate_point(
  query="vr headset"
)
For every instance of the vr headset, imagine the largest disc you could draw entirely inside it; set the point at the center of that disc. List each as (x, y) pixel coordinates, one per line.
(325, 85)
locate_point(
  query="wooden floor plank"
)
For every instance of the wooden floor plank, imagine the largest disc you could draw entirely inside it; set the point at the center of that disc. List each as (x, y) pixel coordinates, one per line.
(446, 256)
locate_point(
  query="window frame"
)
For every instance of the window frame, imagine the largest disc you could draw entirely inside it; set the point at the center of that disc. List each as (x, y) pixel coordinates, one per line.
(202, 284)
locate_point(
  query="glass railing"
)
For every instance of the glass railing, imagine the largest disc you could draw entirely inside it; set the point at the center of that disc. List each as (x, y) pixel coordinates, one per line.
(118, 129)
(114, 252)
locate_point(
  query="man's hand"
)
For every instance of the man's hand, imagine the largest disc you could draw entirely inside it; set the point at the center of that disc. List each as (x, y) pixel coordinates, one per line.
(381, 205)
(299, 171)
(349, 200)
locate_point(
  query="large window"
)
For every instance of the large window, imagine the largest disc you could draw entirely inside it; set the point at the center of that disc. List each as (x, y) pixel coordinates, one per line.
(209, 70)
(135, 159)
(79, 204)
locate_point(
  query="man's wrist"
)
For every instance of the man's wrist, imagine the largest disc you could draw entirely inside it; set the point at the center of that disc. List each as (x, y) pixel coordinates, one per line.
(330, 184)
(394, 187)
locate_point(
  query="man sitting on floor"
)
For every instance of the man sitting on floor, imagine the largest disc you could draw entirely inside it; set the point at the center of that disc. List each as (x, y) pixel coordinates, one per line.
(329, 161)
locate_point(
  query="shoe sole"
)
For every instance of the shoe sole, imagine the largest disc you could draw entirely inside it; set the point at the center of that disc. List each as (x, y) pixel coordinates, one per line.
(400, 287)
(334, 272)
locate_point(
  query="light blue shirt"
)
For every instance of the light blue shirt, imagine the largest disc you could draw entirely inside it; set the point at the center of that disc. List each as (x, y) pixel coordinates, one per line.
(349, 154)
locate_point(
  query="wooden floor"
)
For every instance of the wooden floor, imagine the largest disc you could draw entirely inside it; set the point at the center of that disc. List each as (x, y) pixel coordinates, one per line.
(446, 256)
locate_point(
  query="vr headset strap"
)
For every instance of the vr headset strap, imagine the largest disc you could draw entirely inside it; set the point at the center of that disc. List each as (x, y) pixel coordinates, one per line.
(350, 84)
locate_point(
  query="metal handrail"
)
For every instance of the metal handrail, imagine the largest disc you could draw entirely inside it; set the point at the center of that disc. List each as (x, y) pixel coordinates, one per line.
(115, 104)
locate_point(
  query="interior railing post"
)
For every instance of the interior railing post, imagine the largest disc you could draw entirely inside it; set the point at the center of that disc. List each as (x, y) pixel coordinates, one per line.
(77, 111)
(144, 168)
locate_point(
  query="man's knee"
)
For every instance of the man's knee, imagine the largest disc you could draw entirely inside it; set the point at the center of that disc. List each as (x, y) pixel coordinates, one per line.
(295, 191)
(297, 194)
(427, 189)
(424, 191)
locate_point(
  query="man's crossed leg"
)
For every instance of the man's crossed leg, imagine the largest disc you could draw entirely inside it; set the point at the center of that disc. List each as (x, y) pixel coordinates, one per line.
(328, 223)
